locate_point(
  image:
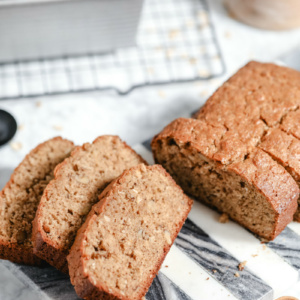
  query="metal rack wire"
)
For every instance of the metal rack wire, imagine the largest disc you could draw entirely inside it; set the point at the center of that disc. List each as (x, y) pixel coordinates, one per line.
(176, 42)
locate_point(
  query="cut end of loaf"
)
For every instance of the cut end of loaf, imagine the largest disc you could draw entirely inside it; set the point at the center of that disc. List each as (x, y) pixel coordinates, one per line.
(126, 236)
(240, 190)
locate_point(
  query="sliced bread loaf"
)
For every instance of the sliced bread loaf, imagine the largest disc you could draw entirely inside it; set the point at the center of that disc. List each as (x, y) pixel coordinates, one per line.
(69, 197)
(122, 244)
(21, 195)
(259, 106)
(255, 190)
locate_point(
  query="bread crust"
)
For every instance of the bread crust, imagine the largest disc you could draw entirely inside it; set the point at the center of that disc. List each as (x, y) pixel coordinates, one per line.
(45, 247)
(15, 252)
(259, 169)
(257, 91)
(84, 286)
(18, 254)
(259, 98)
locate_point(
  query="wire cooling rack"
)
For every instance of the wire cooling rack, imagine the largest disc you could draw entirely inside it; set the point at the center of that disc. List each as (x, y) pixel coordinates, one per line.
(176, 42)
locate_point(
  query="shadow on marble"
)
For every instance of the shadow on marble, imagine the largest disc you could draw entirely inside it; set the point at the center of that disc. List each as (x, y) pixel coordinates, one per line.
(12, 288)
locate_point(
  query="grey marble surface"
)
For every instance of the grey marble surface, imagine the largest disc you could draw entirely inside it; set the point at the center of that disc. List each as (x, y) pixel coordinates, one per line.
(13, 288)
(220, 263)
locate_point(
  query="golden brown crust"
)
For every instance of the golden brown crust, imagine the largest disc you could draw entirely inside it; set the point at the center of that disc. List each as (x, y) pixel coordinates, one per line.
(258, 168)
(285, 149)
(18, 254)
(290, 123)
(45, 247)
(80, 279)
(257, 107)
(258, 91)
(13, 251)
(279, 188)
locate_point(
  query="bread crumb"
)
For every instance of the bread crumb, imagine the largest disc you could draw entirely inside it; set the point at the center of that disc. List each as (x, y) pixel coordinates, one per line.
(169, 53)
(38, 103)
(173, 34)
(264, 247)
(57, 127)
(207, 278)
(224, 218)
(21, 127)
(166, 266)
(227, 34)
(237, 274)
(16, 145)
(203, 73)
(254, 255)
(242, 265)
(214, 271)
(161, 94)
(150, 70)
(203, 17)
(192, 60)
(204, 93)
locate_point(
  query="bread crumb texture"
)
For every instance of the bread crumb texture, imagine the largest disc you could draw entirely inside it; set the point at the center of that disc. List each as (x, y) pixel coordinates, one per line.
(69, 197)
(121, 257)
(242, 265)
(224, 218)
(240, 153)
(21, 195)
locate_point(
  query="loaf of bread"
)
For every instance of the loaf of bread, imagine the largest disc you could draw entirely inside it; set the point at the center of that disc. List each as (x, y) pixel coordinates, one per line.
(21, 195)
(241, 154)
(69, 197)
(122, 244)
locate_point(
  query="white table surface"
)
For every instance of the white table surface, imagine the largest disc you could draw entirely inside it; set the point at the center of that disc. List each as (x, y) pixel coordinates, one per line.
(136, 117)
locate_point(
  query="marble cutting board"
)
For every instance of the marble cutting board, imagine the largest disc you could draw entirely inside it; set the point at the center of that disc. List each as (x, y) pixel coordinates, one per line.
(202, 264)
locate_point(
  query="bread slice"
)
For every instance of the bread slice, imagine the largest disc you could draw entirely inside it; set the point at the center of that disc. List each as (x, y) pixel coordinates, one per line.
(122, 244)
(285, 149)
(21, 195)
(259, 104)
(255, 191)
(69, 197)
